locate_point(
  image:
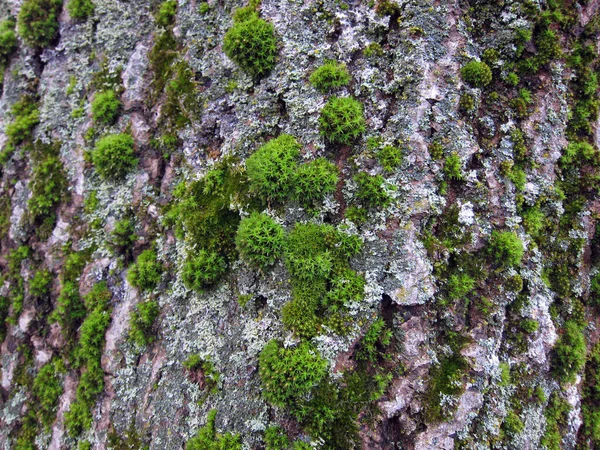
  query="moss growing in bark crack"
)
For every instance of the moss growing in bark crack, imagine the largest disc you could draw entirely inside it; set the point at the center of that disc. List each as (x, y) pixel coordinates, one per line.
(26, 116)
(38, 21)
(105, 107)
(80, 9)
(146, 273)
(141, 323)
(477, 73)
(203, 269)
(371, 191)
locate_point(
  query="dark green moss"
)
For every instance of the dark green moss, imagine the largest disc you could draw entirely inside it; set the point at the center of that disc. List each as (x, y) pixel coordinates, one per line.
(569, 353)
(203, 269)
(26, 116)
(80, 9)
(371, 190)
(476, 73)
(141, 323)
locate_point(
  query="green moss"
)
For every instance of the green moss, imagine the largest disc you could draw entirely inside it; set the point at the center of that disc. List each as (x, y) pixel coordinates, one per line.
(182, 104)
(203, 269)
(306, 253)
(390, 158)
(251, 43)
(161, 58)
(512, 424)
(166, 13)
(460, 285)
(371, 190)
(48, 184)
(530, 326)
(506, 248)
(329, 76)
(39, 286)
(357, 215)
(123, 236)
(314, 180)
(466, 103)
(276, 439)
(38, 21)
(345, 288)
(207, 437)
(210, 375)
(8, 41)
(146, 273)
(69, 310)
(113, 156)
(445, 379)
(534, 221)
(569, 353)
(105, 107)
(289, 374)
(47, 388)
(80, 9)
(556, 414)
(271, 169)
(453, 167)
(342, 120)
(141, 323)
(372, 50)
(26, 117)
(476, 73)
(260, 240)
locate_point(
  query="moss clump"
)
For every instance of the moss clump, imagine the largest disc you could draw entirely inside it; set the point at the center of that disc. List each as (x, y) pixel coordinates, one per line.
(260, 240)
(390, 158)
(453, 167)
(141, 322)
(207, 437)
(166, 13)
(70, 310)
(26, 117)
(146, 273)
(371, 190)
(38, 21)
(271, 169)
(330, 75)
(80, 9)
(48, 183)
(342, 120)
(315, 180)
(8, 41)
(203, 269)
(47, 388)
(113, 156)
(123, 236)
(506, 248)
(476, 73)
(251, 43)
(39, 286)
(460, 285)
(105, 107)
(569, 353)
(289, 374)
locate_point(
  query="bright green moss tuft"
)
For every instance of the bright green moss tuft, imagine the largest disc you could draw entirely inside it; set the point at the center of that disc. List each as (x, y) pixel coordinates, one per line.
(371, 190)
(26, 117)
(460, 285)
(146, 273)
(80, 9)
(141, 322)
(123, 236)
(47, 388)
(453, 167)
(314, 180)
(39, 286)
(260, 240)
(569, 353)
(113, 156)
(8, 41)
(251, 43)
(271, 169)
(506, 248)
(390, 158)
(105, 107)
(330, 75)
(476, 73)
(166, 13)
(203, 269)
(342, 120)
(38, 21)
(289, 374)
